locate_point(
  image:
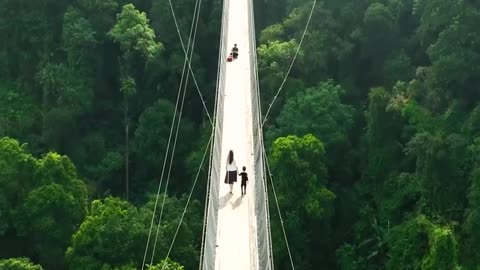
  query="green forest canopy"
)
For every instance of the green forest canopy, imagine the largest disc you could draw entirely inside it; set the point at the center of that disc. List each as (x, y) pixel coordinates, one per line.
(382, 173)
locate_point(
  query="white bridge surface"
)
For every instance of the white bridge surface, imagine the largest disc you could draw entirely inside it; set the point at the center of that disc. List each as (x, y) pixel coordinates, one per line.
(236, 233)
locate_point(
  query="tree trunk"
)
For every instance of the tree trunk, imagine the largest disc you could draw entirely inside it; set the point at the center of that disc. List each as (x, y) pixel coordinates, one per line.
(126, 146)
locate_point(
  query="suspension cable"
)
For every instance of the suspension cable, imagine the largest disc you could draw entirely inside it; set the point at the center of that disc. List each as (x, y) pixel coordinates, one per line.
(188, 200)
(207, 193)
(291, 64)
(278, 208)
(165, 160)
(188, 59)
(193, 29)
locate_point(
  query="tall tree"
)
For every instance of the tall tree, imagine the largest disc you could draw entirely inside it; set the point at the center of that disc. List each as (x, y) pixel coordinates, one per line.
(301, 183)
(151, 139)
(52, 212)
(326, 117)
(136, 39)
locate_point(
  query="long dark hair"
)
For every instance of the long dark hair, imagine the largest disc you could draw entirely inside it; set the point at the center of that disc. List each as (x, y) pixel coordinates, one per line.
(230, 157)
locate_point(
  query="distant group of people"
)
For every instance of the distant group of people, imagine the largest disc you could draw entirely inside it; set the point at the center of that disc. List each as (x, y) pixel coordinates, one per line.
(233, 54)
(231, 174)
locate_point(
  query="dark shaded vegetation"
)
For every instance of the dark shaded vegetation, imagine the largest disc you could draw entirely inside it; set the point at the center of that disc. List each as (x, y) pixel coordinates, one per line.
(383, 171)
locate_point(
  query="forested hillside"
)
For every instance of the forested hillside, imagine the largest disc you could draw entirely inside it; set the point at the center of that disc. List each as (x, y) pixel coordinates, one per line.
(381, 172)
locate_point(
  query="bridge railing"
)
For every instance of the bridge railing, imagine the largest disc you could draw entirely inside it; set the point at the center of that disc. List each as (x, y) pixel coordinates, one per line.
(207, 260)
(264, 247)
(263, 259)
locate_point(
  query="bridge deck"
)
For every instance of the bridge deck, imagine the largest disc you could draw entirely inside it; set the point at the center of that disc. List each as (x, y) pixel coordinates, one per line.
(236, 239)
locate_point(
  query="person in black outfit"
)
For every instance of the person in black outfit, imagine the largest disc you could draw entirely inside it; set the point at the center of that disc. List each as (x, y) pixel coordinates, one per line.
(244, 181)
(235, 51)
(231, 175)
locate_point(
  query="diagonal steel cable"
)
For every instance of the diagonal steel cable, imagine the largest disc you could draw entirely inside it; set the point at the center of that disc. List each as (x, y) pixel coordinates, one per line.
(291, 64)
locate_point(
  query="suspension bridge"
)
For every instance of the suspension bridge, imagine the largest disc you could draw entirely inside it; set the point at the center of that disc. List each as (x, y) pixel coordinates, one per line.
(236, 233)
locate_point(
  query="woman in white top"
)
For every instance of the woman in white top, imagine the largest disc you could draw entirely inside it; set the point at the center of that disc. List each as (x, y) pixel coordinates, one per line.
(231, 175)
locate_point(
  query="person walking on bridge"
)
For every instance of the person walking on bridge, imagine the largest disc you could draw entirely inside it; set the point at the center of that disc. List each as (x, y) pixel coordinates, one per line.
(244, 176)
(235, 51)
(231, 175)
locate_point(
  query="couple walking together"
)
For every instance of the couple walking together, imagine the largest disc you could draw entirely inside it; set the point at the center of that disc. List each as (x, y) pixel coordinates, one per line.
(231, 174)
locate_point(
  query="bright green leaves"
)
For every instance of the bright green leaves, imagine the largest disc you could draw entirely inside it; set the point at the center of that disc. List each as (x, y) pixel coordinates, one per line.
(51, 213)
(300, 170)
(443, 250)
(49, 216)
(324, 115)
(137, 42)
(18, 264)
(46, 201)
(166, 265)
(300, 178)
(277, 55)
(129, 87)
(409, 244)
(133, 33)
(113, 234)
(186, 248)
(17, 168)
(297, 152)
(56, 168)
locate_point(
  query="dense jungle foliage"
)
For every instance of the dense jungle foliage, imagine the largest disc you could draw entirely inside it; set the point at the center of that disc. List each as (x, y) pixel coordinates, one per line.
(383, 171)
